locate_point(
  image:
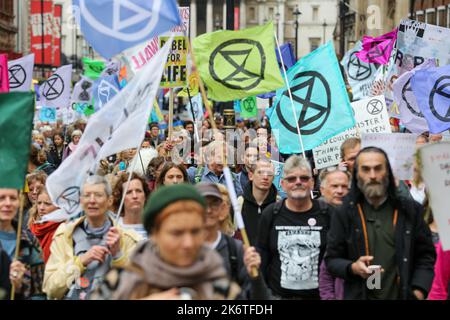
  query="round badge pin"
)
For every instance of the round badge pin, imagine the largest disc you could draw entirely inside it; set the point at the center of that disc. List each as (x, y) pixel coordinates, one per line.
(312, 222)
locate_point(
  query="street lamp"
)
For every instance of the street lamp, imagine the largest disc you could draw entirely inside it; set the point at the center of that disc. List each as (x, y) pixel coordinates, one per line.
(296, 13)
(324, 25)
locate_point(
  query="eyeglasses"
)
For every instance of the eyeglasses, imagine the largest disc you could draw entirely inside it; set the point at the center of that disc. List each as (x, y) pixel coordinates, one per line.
(265, 173)
(336, 168)
(329, 170)
(293, 179)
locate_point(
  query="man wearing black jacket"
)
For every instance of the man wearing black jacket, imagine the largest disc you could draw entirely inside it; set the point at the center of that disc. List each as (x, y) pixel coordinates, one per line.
(376, 226)
(258, 194)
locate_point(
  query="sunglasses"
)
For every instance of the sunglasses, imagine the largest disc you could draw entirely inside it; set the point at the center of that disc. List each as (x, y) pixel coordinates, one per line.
(293, 179)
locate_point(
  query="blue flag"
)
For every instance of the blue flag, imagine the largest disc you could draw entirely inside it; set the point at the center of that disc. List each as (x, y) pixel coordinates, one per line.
(431, 87)
(320, 100)
(287, 54)
(111, 26)
(104, 89)
(289, 60)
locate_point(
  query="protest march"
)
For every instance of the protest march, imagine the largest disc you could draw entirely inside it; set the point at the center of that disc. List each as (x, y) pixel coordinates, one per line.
(221, 165)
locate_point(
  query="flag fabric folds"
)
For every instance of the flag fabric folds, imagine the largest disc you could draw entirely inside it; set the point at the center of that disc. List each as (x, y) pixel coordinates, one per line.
(432, 90)
(55, 91)
(238, 64)
(4, 82)
(249, 108)
(360, 75)
(320, 99)
(410, 115)
(21, 73)
(93, 68)
(118, 126)
(377, 50)
(112, 26)
(16, 123)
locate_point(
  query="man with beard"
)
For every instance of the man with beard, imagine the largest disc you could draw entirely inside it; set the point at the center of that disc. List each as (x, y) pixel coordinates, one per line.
(292, 236)
(377, 226)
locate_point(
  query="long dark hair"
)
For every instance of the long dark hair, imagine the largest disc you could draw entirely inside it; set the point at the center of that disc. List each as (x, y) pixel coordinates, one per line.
(392, 188)
(169, 165)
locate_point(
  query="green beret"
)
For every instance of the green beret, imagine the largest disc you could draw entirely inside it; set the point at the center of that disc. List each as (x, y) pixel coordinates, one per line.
(165, 196)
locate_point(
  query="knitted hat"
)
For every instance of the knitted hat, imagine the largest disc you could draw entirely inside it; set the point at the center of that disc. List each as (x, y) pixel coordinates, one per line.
(165, 196)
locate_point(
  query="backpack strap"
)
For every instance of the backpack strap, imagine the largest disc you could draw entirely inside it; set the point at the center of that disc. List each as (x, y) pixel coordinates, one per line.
(232, 256)
(278, 205)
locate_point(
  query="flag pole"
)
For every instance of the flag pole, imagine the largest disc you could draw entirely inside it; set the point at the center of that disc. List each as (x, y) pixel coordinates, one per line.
(19, 235)
(290, 97)
(193, 115)
(226, 170)
(126, 186)
(201, 86)
(170, 113)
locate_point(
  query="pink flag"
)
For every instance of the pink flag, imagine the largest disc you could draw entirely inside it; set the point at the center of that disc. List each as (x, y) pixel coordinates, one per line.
(4, 82)
(377, 50)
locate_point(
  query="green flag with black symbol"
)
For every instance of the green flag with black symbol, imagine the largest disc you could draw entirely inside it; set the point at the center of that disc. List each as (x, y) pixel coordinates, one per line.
(248, 108)
(16, 122)
(93, 68)
(238, 64)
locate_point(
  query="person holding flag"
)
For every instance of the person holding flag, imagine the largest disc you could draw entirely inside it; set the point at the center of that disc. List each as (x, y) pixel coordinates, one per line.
(83, 251)
(26, 272)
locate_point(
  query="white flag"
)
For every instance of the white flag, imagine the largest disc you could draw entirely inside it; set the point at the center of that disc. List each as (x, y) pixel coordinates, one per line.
(410, 114)
(20, 73)
(119, 125)
(55, 91)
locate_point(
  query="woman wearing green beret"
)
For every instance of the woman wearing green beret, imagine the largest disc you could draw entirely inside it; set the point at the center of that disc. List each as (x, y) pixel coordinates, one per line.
(174, 263)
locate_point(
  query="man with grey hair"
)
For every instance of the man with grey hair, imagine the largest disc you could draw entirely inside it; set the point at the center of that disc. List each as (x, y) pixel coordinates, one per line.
(334, 184)
(84, 250)
(377, 228)
(292, 236)
(216, 153)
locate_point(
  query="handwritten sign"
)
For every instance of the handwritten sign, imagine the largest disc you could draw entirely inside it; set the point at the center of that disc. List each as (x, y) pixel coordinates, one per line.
(400, 148)
(436, 174)
(371, 117)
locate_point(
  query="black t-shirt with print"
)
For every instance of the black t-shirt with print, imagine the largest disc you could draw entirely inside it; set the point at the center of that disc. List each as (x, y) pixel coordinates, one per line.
(292, 250)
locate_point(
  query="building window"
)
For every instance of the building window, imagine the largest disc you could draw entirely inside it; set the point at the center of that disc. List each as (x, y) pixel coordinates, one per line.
(442, 17)
(314, 43)
(271, 12)
(252, 14)
(420, 16)
(315, 13)
(430, 16)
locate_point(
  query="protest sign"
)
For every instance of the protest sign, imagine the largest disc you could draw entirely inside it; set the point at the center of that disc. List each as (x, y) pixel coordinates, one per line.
(371, 116)
(175, 70)
(435, 163)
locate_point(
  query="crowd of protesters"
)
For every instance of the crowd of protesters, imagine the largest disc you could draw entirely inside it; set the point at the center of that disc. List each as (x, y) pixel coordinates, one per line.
(176, 236)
